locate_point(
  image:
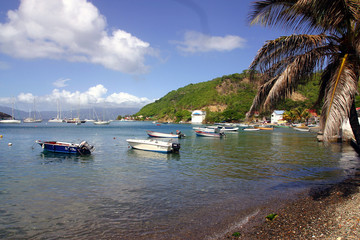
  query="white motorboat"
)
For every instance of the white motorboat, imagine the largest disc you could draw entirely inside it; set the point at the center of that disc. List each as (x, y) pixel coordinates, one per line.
(154, 145)
(165, 135)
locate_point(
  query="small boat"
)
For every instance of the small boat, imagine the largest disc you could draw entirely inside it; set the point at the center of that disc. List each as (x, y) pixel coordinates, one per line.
(32, 120)
(178, 134)
(228, 129)
(64, 147)
(204, 129)
(154, 145)
(264, 128)
(251, 129)
(56, 120)
(209, 134)
(301, 129)
(101, 122)
(75, 120)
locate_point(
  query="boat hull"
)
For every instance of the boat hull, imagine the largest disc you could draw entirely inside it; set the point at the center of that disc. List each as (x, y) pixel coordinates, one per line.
(209, 134)
(164, 135)
(10, 121)
(102, 122)
(154, 145)
(64, 147)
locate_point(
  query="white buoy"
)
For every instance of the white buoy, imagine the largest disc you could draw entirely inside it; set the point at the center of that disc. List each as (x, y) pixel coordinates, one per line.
(9, 144)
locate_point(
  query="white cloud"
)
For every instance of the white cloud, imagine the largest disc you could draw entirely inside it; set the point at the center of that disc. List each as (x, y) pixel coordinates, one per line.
(26, 97)
(198, 42)
(96, 96)
(60, 83)
(70, 30)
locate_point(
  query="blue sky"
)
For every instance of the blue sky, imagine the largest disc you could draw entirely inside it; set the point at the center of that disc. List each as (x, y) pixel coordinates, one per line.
(127, 53)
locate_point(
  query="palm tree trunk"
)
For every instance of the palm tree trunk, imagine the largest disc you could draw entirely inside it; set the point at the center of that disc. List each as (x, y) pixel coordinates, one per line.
(354, 122)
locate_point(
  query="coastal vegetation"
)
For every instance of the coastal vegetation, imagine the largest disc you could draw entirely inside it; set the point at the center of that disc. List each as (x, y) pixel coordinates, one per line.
(330, 43)
(227, 98)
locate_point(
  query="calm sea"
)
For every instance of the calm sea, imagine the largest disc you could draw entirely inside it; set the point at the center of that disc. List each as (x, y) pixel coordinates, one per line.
(121, 193)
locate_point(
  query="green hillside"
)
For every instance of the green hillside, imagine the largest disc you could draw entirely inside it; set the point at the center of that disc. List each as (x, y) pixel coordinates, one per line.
(226, 98)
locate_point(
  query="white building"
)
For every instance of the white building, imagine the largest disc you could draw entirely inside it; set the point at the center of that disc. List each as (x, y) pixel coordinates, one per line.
(277, 115)
(198, 116)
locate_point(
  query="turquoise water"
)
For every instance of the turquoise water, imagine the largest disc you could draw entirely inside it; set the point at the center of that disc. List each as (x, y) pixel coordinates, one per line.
(121, 193)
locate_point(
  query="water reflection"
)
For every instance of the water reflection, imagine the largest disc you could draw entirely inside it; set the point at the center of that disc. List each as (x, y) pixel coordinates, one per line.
(141, 154)
(50, 157)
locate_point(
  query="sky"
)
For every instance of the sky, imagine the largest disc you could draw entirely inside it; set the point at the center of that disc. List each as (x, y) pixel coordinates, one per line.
(127, 53)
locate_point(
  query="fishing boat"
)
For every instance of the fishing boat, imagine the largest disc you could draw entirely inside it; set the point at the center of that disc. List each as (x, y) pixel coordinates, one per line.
(178, 134)
(65, 147)
(154, 145)
(209, 134)
(206, 129)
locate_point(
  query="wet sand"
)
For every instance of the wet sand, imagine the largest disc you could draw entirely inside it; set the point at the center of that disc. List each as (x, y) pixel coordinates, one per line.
(329, 213)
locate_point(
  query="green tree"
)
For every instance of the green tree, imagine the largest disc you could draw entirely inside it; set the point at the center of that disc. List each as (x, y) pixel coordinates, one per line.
(330, 42)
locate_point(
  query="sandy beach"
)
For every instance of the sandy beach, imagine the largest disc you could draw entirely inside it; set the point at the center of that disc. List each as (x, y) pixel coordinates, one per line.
(329, 213)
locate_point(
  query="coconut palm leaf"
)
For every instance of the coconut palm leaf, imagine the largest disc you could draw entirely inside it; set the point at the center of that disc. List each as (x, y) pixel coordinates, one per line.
(339, 96)
(331, 42)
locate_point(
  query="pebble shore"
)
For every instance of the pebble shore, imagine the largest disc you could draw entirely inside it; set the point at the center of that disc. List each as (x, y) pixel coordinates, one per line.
(332, 213)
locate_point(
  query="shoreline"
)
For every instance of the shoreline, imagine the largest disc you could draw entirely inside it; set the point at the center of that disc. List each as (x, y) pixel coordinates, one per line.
(331, 212)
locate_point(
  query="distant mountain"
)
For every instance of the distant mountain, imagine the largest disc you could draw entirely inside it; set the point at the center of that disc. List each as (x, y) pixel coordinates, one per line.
(226, 98)
(107, 113)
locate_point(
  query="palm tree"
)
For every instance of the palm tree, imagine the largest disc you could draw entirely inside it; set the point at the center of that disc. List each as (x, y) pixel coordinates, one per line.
(289, 116)
(330, 44)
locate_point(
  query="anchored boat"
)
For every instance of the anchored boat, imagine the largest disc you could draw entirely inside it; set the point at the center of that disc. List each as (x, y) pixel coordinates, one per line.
(165, 135)
(154, 145)
(64, 147)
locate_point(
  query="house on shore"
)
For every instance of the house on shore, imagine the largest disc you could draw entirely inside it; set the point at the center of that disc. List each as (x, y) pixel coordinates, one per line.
(198, 117)
(277, 116)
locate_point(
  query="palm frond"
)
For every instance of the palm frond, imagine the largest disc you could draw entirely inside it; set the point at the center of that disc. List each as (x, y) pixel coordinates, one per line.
(276, 53)
(339, 95)
(306, 15)
(260, 97)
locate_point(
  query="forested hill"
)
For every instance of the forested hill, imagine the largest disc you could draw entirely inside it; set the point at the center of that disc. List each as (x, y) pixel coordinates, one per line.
(226, 98)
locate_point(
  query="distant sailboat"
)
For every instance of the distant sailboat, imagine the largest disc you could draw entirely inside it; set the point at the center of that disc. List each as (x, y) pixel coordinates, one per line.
(12, 120)
(58, 118)
(30, 119)
(102, 122)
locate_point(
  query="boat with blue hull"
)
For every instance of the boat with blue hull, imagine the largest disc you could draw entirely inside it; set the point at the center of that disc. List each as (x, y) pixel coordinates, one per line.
(65, 147)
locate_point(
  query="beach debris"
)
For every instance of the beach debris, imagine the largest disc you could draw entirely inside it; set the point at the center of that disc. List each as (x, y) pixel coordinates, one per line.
(9, 144)
(271, 216)
(236, 234)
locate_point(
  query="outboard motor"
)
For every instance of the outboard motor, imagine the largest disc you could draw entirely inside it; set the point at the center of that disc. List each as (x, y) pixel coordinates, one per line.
(86, 148)
(180, 134)
(175, 147)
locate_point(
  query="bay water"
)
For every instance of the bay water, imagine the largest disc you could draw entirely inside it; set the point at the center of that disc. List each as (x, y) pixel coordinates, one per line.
(209, 187)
